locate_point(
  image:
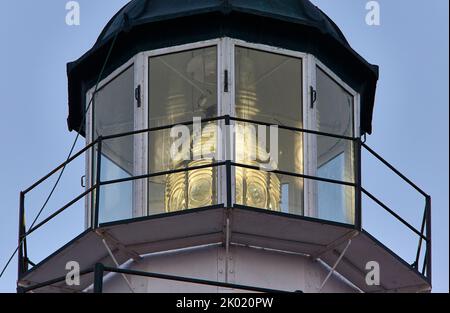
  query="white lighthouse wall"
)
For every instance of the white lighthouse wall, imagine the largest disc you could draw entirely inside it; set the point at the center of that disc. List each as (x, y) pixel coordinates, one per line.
(246, 266)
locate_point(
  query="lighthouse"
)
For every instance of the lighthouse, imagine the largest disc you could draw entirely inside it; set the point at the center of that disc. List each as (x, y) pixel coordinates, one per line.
(223, 153)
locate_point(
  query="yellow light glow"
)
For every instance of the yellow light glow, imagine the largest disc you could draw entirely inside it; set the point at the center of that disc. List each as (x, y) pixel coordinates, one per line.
(195, 188)
(254, 188)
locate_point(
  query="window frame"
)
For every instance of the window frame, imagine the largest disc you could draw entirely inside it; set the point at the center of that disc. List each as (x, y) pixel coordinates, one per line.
(233, 43)
(90, 175)
(225, 106)
(312, 143)
(218, 43)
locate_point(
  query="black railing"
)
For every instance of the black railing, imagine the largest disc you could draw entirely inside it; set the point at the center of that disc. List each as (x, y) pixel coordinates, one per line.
(426, 220)
(94, 188)
(99, 271)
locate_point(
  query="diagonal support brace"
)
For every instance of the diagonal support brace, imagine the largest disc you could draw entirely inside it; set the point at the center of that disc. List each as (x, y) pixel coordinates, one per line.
(118, 245)
(335, 264)
(348, 236)
(117, 264)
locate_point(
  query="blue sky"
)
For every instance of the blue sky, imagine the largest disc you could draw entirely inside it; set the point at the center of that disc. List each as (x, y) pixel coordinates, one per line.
(411, 125)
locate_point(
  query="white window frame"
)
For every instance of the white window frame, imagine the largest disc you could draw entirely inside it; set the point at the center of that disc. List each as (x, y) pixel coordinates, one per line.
(218, 43)
(225, 106)
(89, 135)
(281, 51)
(312, 144)
(350, 90)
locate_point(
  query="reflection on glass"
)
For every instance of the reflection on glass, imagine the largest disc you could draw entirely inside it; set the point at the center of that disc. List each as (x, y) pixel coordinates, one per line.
(181, 191)
(268, 89)
(270, 191)
(113, 113)
(335, 201)
(161, 142)
(116, 201)
(250, 151)
(334, 155)
(182, 86)
(184, 190)
(334, 106)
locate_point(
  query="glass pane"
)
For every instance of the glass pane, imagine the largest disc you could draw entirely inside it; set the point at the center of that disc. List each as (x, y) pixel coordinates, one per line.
(114, 114)
(335, 156)
(335, 202)
(334, 106)
(340, 153)
(286, 156)
(182, 86)
(161, 144)
(116, 202)
(184, 190)
(265, 190)
(114, 106)
(268, 87)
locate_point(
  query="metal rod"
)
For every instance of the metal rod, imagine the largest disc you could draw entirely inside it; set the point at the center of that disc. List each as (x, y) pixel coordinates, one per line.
(228, 182)
(295, 129)
(237, 119)
(98, 183)
(59, 167)
(117, 264)
(185, 123)
(422, 228)
(158, 128)
(21, 261)
(227, 247)
(99, 271)
(27, 261)
(45, 221)
(394, 170)
(358, 200)
(228, 163)
(187, 169)
(335, 265)
(192, 280)
(327, 180)
(429, 260)
(393, 213)
(98, 277)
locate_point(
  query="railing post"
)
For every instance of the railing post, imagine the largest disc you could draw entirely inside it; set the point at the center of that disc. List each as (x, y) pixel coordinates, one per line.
(228, 180)
(428, 254)
(419, 248)
(98, 277)
(22, 267)
(97, 182)
(228, 156)
(358, 191)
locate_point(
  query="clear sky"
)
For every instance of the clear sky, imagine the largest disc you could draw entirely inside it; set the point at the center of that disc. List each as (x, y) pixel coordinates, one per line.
(411, 125)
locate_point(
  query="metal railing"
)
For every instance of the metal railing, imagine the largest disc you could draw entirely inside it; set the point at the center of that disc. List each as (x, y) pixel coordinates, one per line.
(424, 233)
(99, 271)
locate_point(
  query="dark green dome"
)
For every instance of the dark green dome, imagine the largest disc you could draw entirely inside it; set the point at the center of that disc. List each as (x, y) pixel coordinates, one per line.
(298, 25)
(139, 12)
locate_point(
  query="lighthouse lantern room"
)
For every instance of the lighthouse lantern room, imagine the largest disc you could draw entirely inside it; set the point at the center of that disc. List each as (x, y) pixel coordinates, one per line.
(224, 152)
